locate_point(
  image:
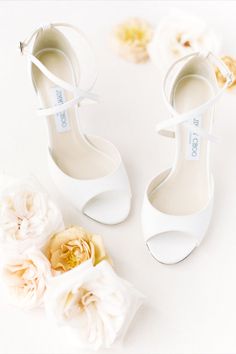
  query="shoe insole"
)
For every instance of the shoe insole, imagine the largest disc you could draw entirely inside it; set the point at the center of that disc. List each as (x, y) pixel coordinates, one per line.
(73, 153)
(186, 189)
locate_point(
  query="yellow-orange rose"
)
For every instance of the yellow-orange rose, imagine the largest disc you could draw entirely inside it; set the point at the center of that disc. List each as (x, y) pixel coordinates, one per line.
(73, 246)
(131, 38)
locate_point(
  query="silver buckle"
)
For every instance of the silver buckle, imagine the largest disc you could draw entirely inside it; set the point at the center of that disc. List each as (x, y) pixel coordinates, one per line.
(21, 47)
(230, 78)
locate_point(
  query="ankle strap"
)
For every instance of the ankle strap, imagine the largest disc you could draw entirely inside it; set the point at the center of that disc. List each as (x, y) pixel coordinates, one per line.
(177, 118)
(81, 96)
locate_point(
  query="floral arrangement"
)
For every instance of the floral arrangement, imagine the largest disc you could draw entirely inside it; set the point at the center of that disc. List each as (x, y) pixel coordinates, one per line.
(176, 35)
(66, 270)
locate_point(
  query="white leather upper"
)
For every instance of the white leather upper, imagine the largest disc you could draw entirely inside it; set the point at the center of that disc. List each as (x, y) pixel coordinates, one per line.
(80, 192)
(156, 223)
(96, 197)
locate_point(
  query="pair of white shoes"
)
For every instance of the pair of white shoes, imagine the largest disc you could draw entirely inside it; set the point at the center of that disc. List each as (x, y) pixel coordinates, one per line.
(89, 170)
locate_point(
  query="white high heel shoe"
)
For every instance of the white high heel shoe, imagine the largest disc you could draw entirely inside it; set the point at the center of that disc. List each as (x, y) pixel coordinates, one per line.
(87, 169)
(178, 202)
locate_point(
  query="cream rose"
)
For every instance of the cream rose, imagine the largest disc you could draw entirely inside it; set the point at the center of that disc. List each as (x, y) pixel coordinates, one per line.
(130, 39)
(25, 278)
(179, 34)
(73, 246)
(93, 303)
(27, 216)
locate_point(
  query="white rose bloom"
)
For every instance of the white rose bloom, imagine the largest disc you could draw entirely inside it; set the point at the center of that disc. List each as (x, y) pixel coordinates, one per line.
(93, 303)
(27, 216)
(25, 278)
(179, 34)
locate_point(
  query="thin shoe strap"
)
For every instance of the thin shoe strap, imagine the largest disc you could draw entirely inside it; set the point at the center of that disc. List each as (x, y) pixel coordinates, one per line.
(55, 79)
(80, 94)
(178, 118)
(79, 100)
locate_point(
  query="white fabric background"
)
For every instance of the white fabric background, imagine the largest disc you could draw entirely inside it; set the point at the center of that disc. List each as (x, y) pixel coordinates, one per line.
(190, 307)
